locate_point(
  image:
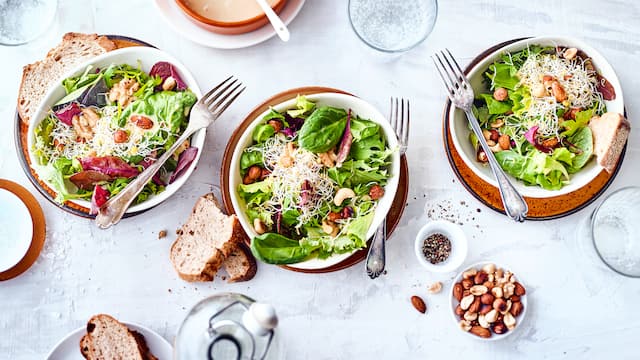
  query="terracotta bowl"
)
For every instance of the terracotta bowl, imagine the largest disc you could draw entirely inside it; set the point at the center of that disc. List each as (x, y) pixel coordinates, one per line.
(228, 27)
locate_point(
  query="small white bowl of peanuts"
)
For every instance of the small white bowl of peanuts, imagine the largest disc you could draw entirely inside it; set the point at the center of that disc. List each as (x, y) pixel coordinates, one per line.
(488, 302)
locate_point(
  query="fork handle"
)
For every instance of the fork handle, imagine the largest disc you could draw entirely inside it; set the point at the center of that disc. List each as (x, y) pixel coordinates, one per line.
(514, 204)
(111, 212)
(376, 256)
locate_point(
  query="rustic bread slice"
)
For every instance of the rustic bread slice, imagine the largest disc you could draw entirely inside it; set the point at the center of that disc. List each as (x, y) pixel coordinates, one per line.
(610, 133)
(240, 265)
(204, 241)
(108, 339)
(38, 77)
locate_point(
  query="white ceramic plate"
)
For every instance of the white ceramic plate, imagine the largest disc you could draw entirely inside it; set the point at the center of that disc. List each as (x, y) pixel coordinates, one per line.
(16, 230)
(357, 106)
(146, 57)
(174, 16)
(453, 302)
(69, 347)
(460, 130)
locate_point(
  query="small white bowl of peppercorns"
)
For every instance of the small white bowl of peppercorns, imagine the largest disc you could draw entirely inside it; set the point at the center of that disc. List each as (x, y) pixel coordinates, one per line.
(441, 246)
(488, 302)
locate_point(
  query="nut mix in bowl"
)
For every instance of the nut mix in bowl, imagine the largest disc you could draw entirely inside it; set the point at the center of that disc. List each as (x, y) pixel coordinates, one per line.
(536, 101)
(488, 301)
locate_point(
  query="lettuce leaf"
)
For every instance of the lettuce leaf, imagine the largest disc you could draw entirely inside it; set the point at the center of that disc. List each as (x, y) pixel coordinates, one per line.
(503, 75)
(583, 140)
(303, 107)
(582, 119)
(495, 106)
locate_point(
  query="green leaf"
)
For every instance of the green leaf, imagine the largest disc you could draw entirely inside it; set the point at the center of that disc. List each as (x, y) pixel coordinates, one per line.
(277, 249)
(263, 132)
(503, 75)
(323, 129)
(303, 107)
(495, 106)
(583, 139)
(250, 158)
(582, 119)
(273, 114)
(564, 155)
(255, 193)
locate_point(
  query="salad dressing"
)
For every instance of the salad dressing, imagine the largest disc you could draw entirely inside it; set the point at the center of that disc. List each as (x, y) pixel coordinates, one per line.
(227, 10)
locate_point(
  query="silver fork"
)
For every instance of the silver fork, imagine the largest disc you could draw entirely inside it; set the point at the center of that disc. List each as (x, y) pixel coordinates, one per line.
(376, 256)
(204, 113)
(461, 94)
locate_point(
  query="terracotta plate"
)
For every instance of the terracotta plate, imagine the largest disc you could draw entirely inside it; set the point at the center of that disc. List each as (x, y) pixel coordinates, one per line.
(393, 217)
(39, 229)
(539, 208)
(21, 131)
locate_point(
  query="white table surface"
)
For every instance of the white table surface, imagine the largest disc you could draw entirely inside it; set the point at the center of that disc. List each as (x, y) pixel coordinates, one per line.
(578, 308)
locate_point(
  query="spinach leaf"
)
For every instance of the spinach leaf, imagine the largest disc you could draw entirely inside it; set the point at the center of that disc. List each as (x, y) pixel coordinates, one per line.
(361, 129)
(277, 249)
(262, 132)
(583, 139)
(323, 129)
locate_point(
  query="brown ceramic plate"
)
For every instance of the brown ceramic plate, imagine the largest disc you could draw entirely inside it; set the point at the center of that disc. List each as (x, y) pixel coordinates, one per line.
(539, 208)
(395, 212)
(39, 229)
(228, 27)
(20, 134)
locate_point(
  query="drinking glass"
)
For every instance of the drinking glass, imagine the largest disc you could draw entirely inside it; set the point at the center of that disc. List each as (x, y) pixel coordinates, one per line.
(22, 21)
(615, 231)
(393, 25)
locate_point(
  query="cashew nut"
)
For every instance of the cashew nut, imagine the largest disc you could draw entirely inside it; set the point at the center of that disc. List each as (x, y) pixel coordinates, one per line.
(495, 148)
(489, 268)
(169, 83)
(497, 292)
(329, 228)
(342, 195)
(483, 321)
(259, 226)
(570, 53)
(508, 289)
(328, 159)
(469, 273)
(435, 288)
(498, 123)
(539, 90)
(465, 325)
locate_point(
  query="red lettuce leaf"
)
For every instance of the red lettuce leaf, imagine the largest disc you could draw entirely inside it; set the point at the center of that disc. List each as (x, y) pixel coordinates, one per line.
(109, 165)
(164, 70)
(157, 178)
(531, 136)
(99, 197)
(67, 112)
(294, 125)
(605, 88)
(345, 143)
(185, 159)
(87, 179)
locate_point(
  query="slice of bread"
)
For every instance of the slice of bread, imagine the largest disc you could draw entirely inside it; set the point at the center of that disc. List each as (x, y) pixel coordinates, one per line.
(204, 241)
(108, 339)
(38, 77)
(610, 133)
(240, 265)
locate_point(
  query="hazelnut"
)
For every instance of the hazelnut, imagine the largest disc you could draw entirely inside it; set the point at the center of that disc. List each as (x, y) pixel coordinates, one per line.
(169, 83)
(480, 277)
(254, 172)
(275, 124)
(259, 226)
(504, 141)
(495, 135)
(516, 308)
(482, 156)
(499, 328)
(500, 305)
(500, 94)
(484, 309)
(120, 136)
(467, 284)
(487, 299)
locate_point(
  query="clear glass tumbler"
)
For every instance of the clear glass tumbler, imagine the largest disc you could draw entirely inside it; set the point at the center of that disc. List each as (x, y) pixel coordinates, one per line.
(615, 231)
(393, 25)
(22, 21)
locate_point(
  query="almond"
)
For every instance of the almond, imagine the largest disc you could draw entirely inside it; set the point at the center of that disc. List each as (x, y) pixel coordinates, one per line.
(516, 308)
(457, 291)
(480, 277)
(480, 331)
(467, 284)
(519, 290)
(419, 304)
(459, 311)
(558, 91)
(475, 305)
(142, 122)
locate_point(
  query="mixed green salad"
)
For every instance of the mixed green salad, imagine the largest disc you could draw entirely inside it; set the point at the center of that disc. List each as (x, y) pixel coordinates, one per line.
(311, 182)
(536, 116)
(112, 124)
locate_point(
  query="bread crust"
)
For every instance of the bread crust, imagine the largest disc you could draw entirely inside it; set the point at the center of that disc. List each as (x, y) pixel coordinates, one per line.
(87, 346)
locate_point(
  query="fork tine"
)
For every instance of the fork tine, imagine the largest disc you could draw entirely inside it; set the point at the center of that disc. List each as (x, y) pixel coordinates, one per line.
(206, 96)
(395, 116)
(400, 127)
(442, 71)
(459, 73)
(210, 101)
(459, 82)
(405, 127)
(224, 107)
(224, 94)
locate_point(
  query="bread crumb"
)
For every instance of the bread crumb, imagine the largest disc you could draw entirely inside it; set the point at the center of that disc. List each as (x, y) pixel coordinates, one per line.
(162, 234)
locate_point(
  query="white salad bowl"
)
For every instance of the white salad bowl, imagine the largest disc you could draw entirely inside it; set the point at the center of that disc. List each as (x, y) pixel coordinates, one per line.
(358, 107)
(460, 130)
(145, 57)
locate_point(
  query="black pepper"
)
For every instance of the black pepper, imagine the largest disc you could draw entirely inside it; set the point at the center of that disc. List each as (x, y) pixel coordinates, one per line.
(436, 248)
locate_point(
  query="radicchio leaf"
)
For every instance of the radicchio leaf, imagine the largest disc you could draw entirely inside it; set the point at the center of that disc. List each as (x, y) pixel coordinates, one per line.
(605, 88)
(185, 159)
(531, 136)
(305, 193)
(345, 143)
(294, 125)
(99, 197)
(157, 177)
(67, 112)
(109, 165)
(87, 179)
(164, 70)
(95, 95)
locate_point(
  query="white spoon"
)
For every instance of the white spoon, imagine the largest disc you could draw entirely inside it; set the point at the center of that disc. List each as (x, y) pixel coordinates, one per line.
(276, 22)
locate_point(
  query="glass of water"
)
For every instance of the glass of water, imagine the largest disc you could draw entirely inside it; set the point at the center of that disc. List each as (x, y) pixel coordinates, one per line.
(393, 25)
(22, 21)
(615, 231)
